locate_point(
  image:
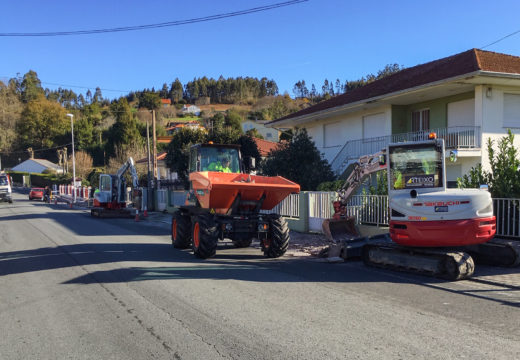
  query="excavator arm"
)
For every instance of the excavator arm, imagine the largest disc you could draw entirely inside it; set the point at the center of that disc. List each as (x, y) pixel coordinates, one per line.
(341, 226)
(366, 165)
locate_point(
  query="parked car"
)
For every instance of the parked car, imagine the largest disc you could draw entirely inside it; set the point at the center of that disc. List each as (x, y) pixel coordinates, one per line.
(36, 193)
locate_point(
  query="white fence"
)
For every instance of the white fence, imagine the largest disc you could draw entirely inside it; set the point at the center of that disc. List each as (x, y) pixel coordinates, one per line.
(367, 209)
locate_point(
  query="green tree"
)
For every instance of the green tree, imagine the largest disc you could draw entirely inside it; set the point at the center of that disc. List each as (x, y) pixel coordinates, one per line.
(31, 87)
(177, 156)
(150, 101)
(124, 132)
(504, 177)
(300, 161)
(10, 114)
(176, 91)
(41, 123)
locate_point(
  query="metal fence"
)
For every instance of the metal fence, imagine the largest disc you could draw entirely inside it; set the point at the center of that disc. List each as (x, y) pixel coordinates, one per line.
(507, 214)
(456, 137)
(289, 207)
(369, 209)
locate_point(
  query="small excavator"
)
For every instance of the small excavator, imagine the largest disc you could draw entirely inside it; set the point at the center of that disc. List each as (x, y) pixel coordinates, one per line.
(110, 200)
(433, 230)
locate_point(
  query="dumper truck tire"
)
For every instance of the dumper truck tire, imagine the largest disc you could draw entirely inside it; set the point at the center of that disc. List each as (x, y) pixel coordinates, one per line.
(277, 241)
(181, 232)
(204, 236)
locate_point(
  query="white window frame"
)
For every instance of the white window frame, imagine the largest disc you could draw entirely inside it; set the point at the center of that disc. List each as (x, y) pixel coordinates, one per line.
(421, 119)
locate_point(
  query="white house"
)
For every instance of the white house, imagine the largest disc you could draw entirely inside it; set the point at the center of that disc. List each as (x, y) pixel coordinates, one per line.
(268, 133)
(465, 98)
(37, 166)
(191, 109)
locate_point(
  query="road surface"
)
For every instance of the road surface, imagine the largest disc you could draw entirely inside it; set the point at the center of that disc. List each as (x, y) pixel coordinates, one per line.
(76, 287)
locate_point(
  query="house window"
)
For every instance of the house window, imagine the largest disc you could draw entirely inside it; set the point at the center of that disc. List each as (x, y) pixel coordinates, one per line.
(511, 111)
(421, 120)
(332, 135)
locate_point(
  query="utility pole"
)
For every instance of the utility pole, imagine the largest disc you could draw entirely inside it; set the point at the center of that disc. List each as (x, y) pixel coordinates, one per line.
(154, 146)
(149, 202)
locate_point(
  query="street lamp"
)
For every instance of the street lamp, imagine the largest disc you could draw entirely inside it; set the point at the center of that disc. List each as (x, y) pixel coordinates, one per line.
(73, 160)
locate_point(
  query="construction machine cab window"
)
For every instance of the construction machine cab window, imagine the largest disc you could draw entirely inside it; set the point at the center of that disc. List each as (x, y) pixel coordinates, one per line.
(416, 167)
(3, 180)
(105, 183)
(219, 159)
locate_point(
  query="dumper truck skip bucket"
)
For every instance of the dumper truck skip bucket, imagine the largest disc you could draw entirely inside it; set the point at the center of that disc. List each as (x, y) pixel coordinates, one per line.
(219, 191)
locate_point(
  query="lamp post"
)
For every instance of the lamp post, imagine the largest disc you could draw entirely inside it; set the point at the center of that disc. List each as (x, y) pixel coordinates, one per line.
(73, 160)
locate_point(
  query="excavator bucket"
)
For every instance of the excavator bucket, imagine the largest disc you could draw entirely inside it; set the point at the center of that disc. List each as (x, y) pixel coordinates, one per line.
(337, 230)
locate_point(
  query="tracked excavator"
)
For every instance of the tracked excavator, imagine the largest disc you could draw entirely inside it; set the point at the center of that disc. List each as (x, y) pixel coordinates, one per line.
(110, 200)
(433, 230)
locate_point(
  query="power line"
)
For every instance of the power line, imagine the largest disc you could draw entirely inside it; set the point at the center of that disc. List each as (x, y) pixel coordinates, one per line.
(159, 25)
(38, 150)
(499, 40)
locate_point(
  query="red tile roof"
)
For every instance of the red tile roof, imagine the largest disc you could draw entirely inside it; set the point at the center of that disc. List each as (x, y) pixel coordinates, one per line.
(442, 69)
(166, 101)
(265, 146)
(160, 156)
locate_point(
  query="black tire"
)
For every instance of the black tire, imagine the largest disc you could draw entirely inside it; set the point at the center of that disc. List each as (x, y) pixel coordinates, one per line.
(243, 242)
(10, 201)
(204, 236)
(181, 233)
(277, 241)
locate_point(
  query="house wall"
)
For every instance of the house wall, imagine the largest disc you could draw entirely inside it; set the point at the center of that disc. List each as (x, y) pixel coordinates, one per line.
(402, 115)
(489, 115)
(349, 127)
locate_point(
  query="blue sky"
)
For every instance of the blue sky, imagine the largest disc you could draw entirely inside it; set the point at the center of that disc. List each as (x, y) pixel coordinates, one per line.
(312, 41)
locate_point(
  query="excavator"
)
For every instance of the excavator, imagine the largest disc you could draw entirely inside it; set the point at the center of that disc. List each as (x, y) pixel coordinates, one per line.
(433, 230)
(110, 200)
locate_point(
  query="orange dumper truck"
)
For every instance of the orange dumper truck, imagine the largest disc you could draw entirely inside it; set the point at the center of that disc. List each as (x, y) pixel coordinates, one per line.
(224, 202)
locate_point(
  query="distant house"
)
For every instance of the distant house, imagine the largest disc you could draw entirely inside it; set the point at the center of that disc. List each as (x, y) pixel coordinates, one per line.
(163, 172)
(37, 166)
(191, 109)
(270, 134)
(264, 146)
(173, 127)
(166, 102)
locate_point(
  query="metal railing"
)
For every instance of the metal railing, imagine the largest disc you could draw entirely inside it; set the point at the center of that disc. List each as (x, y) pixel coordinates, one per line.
(508, 216)
(457, 137)
(289, 207)
(369, 209)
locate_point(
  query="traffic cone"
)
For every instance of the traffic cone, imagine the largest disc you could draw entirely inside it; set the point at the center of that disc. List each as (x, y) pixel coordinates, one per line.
(145, 213)
(55, 200)
(136, 215)
(70, 204)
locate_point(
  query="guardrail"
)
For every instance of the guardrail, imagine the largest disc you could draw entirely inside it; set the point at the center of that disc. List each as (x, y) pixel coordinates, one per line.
(457, 137)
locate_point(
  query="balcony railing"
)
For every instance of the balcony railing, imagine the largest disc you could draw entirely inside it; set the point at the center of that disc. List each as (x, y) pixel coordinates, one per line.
(458, 137)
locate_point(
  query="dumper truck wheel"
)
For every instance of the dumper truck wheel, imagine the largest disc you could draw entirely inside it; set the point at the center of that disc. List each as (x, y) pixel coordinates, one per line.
(181, 235)
(204, 236)
(277, 241)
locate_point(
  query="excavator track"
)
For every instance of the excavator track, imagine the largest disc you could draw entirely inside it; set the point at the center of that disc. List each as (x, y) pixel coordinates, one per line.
(496, 252)
(449, 265)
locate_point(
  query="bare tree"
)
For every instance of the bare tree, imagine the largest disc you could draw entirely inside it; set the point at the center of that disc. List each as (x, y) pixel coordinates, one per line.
(83, 164)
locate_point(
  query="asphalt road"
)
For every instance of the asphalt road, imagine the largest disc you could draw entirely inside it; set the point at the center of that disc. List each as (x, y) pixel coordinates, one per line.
(75, 287)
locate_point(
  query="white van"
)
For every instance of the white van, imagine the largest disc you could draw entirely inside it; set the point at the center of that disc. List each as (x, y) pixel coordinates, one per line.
(5, 188)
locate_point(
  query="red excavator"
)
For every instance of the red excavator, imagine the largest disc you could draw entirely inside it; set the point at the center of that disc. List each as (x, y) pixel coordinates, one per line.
(433, 230)
(225, 202)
